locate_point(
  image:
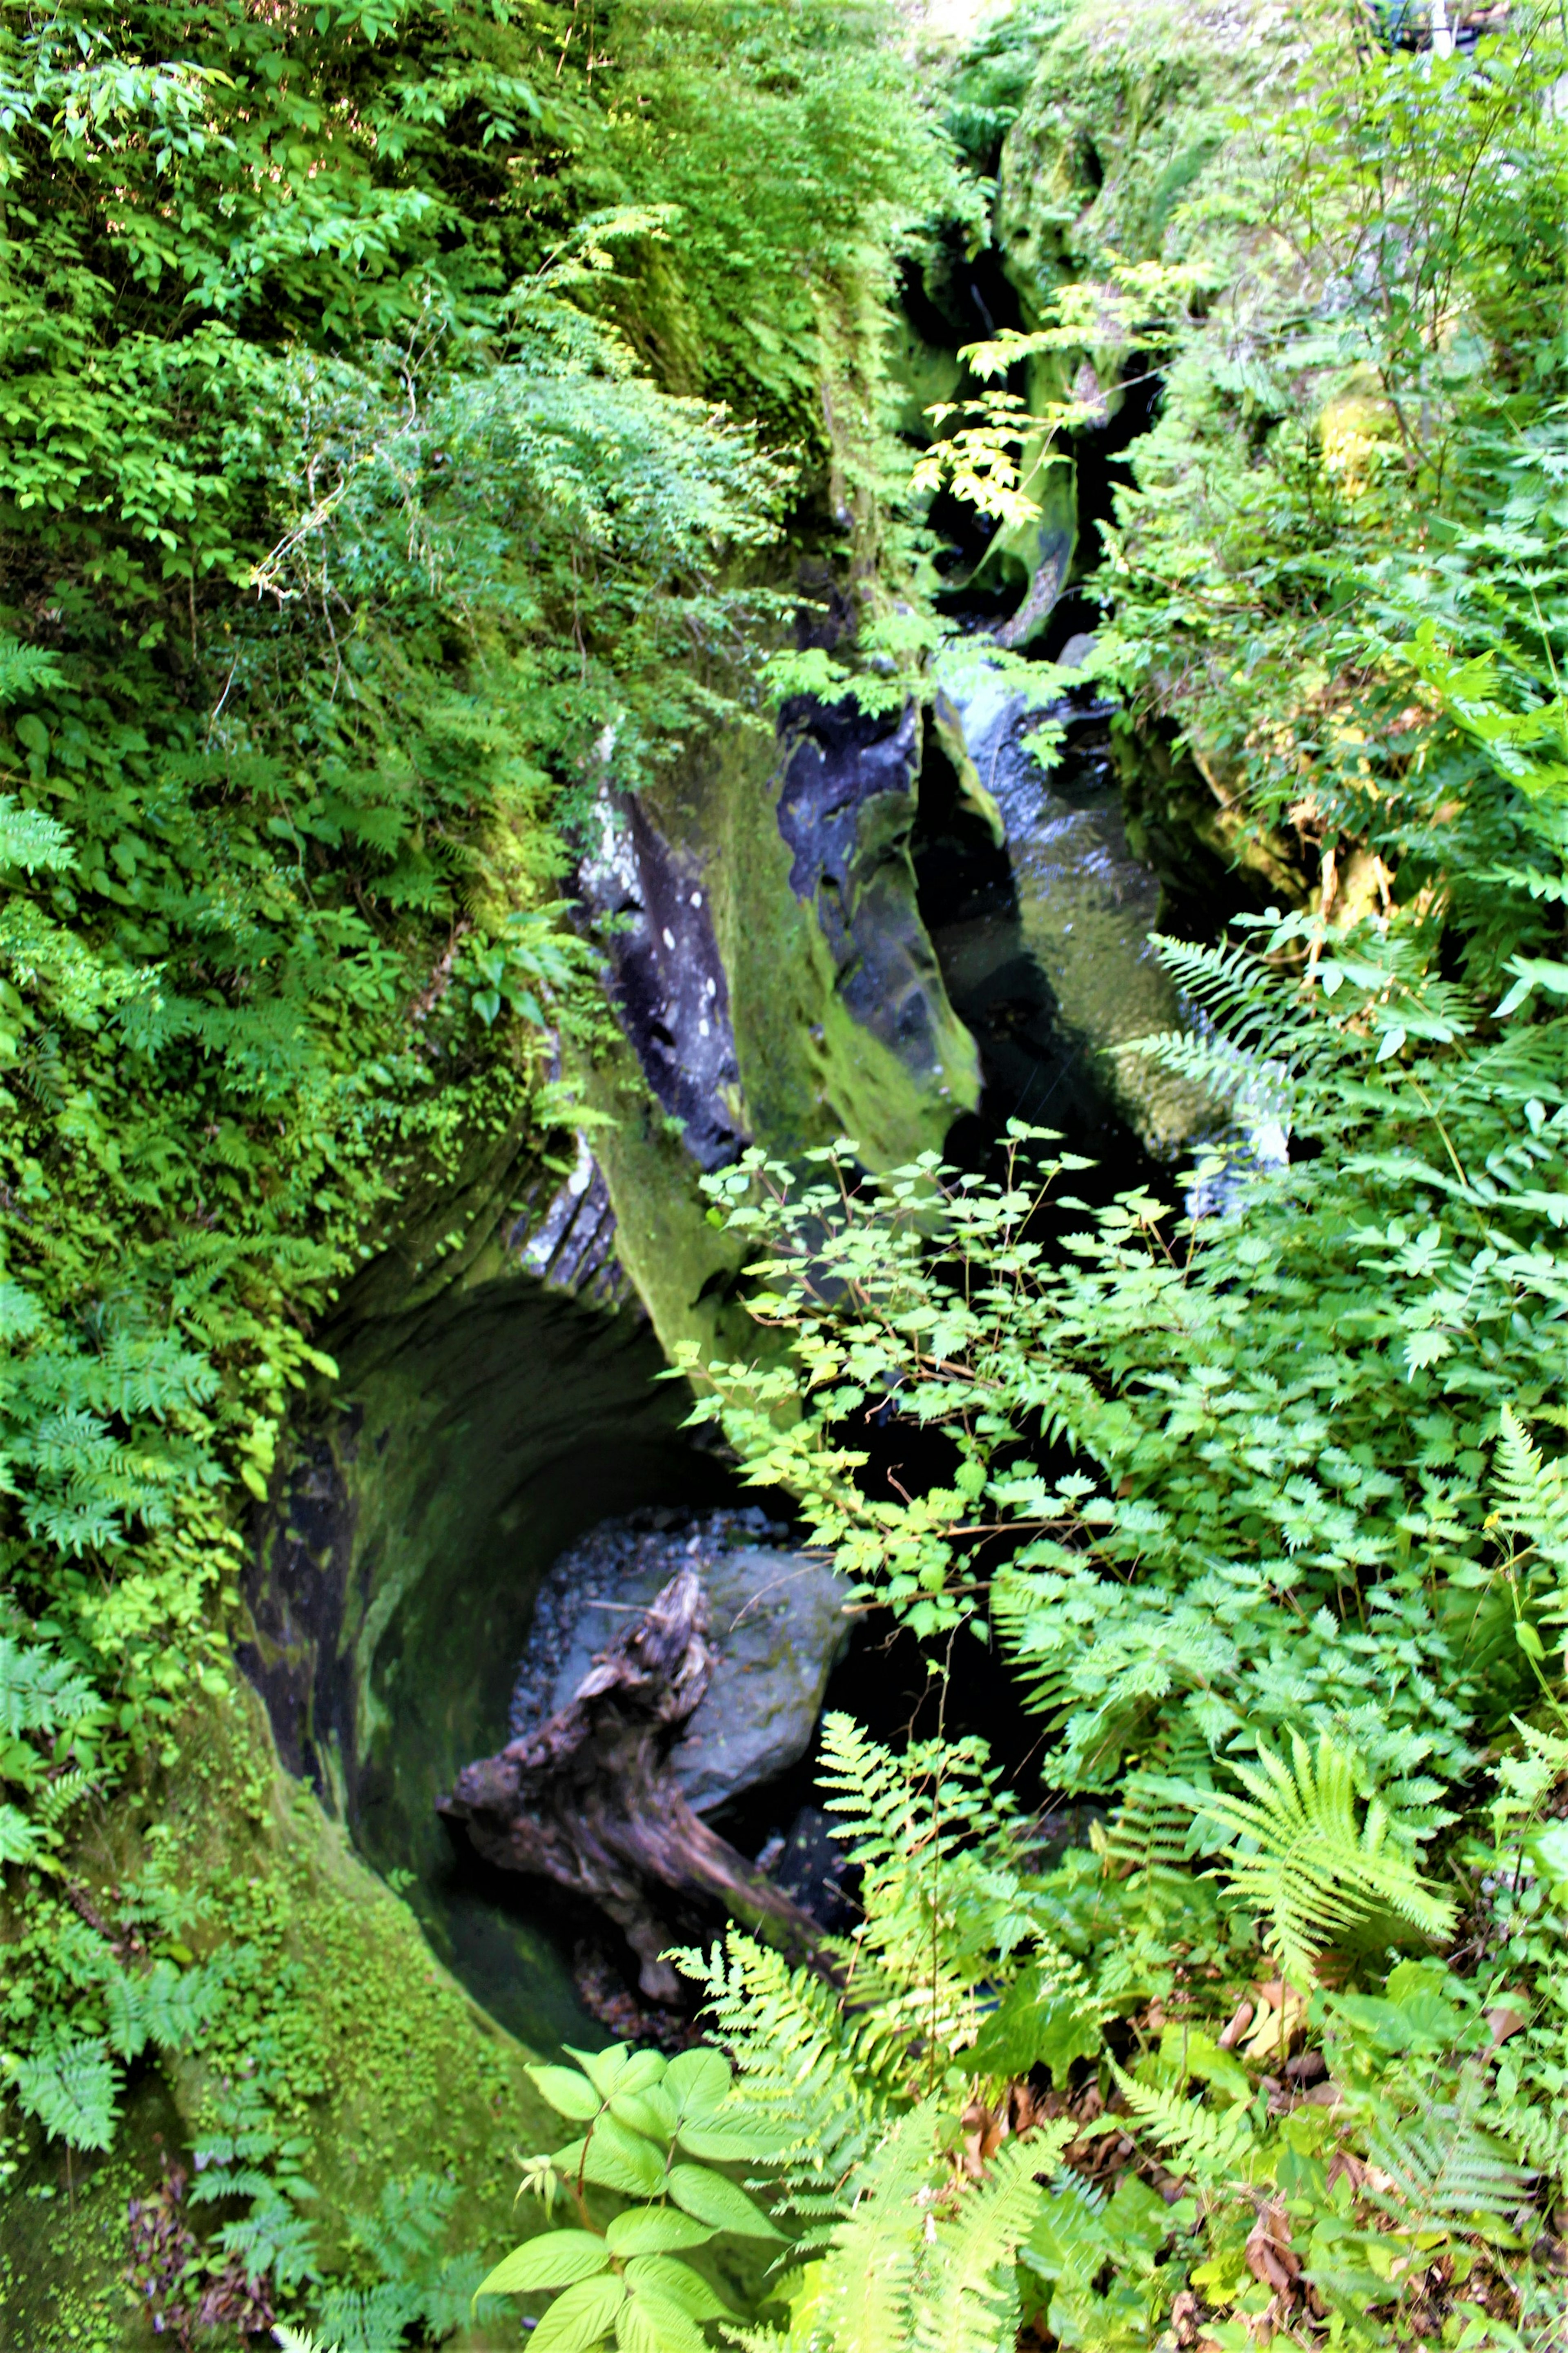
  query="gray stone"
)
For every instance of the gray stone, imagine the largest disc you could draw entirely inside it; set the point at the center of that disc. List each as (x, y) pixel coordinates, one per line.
(776, 1626)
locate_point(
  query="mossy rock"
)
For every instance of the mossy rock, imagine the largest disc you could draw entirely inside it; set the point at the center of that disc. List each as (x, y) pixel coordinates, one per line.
(1130, 105)
(379, 2059)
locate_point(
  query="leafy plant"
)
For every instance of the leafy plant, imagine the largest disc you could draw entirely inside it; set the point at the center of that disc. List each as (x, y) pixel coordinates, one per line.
(1303, 1860)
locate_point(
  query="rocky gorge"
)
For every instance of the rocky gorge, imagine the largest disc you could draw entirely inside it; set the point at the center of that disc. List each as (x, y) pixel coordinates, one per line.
(888, 921)
(903, 927)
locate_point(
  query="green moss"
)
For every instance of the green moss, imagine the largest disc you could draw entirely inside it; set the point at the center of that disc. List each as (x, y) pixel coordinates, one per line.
(372, 2050)
(1130, 102)
(466, 1442)
(65, 2239)
(810, 1068)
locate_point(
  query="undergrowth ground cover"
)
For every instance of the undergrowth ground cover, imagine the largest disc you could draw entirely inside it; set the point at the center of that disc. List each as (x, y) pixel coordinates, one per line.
(397, 403)
(1257, 1485)
(397, 406)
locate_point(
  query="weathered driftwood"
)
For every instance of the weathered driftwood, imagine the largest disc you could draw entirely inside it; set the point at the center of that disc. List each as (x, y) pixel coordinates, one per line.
(589, 1799)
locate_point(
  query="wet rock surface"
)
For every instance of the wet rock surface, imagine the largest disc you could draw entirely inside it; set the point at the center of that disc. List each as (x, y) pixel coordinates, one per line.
(567, 1238)
(846, 811)
(669, 979)
(1059, 967)
(775, 1628)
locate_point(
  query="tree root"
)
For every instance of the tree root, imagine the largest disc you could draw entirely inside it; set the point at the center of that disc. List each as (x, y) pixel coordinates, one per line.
(589, 1800)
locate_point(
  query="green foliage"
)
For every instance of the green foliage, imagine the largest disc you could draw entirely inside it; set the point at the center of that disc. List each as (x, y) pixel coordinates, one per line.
(419, 2284)
(368, 505)
(647, 2120)
(935, 2196)
(1304, 1862)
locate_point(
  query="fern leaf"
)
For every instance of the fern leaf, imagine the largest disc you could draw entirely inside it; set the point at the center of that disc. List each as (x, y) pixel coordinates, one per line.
(72, 2090)
(20, 1840)
(1532, 1494)
(1303, 1860)
(966, 2299)
(369, 2320)
(30, 839)
(1150, 1827)
(1212, 2149)
(869, 2277)
(1445, 2169)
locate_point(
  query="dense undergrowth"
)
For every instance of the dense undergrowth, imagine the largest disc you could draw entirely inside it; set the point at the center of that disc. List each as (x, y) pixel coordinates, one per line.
(396, 405)
(1258, 1487)
(396, 402)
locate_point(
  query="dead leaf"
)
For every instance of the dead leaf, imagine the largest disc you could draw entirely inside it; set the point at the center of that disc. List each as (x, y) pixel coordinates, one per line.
(1269, 2255)
(984, 2131)
(1187, 2314)
(1280, 2017)
(1238, 2027)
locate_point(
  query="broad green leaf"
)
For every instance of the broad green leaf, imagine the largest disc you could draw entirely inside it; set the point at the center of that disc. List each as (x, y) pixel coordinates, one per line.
(648, 2325)
(713, 2198)
(603, 2068)
(736, 2144)
(654, 2231)
(618, 2069)
(555, 2258)
(568, 2093)
(698, 2082)
(616, 2158)
(679, 2284)
(644, 2112)
(1037, 2025)
(581, 2316)
(657, 2110)
(1549, 1848)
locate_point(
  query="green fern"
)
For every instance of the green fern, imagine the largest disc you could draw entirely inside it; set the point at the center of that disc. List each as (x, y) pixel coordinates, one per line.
(1445, 2169)
(1150, 1829)
(813, 2080)
(940, 1846)
(966, 2292)
(72, 2087)
(31, 840)
(1212, 2149)
(1532, 1506)
(1300, 1857)
(924, 2262)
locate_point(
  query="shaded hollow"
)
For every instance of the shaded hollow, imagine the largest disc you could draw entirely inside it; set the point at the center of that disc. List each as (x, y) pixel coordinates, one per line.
(392, 1582)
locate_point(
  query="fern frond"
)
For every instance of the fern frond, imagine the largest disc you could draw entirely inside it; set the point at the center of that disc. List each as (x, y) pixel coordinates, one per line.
(1232, 984)
(867, 2289)
(966, 2296)
(30, 839)
(1210, 2148)
(1538, 2135)
(1443, 2168)
(72, 2089)
(1148, 1830)
(368, 2320)
(55, 1799)
(1303, 1860)
(812, 2078)
(1532, 1494)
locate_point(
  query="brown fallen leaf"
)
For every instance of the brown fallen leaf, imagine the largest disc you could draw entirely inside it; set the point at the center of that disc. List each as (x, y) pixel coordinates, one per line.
(1269, 2255)
(984, 2131)
(1506, 2018)
(1188, 2313)
(1281, 2016)
(1238, 2027)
